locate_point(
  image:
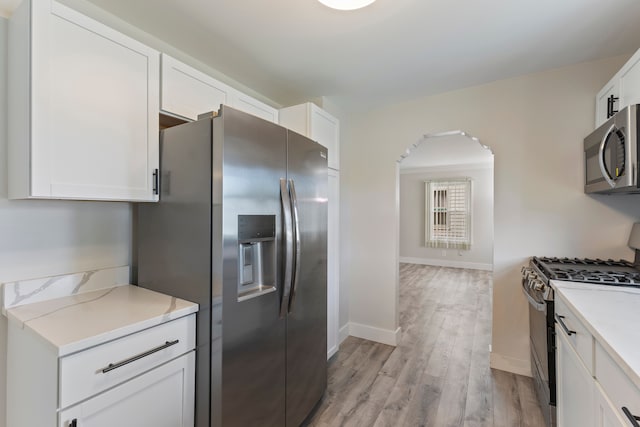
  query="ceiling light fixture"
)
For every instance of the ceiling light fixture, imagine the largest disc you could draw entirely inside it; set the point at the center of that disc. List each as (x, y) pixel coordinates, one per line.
(346, 4)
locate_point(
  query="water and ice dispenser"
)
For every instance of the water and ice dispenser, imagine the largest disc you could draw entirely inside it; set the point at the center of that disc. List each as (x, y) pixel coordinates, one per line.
(256, 255)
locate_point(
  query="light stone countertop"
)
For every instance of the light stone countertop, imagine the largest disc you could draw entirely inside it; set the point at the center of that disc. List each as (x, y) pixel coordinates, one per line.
(76, 322)
(612, 315)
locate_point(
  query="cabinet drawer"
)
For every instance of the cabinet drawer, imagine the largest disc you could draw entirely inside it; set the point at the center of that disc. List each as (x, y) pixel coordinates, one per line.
(616, 385)
(82, 376)
(580, 339)
(160, 397)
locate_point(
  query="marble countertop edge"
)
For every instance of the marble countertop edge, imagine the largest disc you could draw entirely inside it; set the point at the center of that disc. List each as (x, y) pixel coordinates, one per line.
(101, 315)
(77, 346)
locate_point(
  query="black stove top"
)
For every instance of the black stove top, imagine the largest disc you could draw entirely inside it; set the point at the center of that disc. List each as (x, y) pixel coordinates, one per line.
(598, 271)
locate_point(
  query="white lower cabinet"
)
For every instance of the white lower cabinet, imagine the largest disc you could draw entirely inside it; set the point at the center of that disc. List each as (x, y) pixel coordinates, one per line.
(606, 415)
(143, 379)
(162, 397)
(592, 388)
(575, 386)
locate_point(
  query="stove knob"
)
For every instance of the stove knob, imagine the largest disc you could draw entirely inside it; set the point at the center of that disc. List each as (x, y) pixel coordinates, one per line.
(538, 286)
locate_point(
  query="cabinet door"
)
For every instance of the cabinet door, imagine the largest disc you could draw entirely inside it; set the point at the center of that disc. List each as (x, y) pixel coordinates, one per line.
(326, 130)
(606, 415)
(94, 109)
(187, 92)
(251, 105)
(630, 82)
(163, 397)
(313, 122)
(575, 387)
(612, 88)
(333, 264)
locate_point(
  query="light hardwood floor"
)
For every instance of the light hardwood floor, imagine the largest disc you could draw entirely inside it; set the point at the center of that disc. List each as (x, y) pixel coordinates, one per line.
(439, 374)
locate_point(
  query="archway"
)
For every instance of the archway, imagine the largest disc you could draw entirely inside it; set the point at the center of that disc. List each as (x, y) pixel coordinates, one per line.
(438, 160)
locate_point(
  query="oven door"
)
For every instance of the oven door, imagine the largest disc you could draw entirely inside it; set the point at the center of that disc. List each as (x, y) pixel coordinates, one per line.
(542, 356)
(539, 340)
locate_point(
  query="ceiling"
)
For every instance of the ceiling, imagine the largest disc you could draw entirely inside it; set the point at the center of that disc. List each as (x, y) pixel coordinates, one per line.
(295, 50)
(455, 149)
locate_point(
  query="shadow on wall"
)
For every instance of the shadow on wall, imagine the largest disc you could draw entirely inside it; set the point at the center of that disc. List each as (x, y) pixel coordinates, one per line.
(446, 202)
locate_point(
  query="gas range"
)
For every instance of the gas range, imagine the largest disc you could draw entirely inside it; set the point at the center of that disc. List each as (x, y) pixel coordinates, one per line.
(597, 271)
(535, 284)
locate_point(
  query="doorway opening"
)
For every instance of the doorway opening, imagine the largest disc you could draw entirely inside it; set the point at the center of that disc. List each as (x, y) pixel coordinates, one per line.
(445, 186)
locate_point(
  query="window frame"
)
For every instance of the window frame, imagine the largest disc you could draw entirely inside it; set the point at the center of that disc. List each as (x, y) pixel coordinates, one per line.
(432, 240)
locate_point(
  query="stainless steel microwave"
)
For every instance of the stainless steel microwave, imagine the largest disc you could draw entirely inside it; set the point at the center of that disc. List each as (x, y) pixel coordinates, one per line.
(611, 155)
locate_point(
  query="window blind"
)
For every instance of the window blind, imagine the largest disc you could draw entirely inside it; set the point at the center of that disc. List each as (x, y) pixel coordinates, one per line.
(448, 213)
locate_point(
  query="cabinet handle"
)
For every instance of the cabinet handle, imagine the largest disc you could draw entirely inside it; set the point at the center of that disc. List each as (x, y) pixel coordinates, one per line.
(120, 364)
(634, 420)
(610, 105)
(567, 330)
(73, 423)
(156, 179)
(609, 108)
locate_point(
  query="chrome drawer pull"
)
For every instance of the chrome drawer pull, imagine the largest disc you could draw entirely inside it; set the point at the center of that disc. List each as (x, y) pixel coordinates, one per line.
(634, 420)
(567, 330)
(117, 365)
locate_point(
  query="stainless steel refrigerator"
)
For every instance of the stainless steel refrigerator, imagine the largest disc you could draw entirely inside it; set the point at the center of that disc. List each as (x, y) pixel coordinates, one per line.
(241, 229)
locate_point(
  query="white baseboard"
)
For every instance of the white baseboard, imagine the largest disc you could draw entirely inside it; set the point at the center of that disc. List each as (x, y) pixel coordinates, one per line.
(384, 336)
(448, 263)
(344, 333)
(510, 364)
(331, 352)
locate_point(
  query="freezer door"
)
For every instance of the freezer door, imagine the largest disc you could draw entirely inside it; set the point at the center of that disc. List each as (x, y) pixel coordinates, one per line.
(247, 186)
(307, 318)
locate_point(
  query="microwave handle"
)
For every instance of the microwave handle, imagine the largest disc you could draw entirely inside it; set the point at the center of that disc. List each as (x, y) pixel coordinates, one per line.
(603, 168)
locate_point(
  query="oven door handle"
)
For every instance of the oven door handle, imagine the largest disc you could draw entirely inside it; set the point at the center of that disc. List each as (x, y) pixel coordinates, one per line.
(539, 306)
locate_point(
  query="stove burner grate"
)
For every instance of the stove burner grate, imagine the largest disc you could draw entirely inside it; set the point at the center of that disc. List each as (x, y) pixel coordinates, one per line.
(609, 272)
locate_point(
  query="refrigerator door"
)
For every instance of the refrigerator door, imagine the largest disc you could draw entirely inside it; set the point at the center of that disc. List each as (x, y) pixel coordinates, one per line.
(307, 319)
(247, 184)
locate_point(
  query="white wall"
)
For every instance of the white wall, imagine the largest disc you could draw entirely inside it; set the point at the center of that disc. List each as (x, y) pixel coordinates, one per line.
(412, 218)
(535, 126)
(42, 238)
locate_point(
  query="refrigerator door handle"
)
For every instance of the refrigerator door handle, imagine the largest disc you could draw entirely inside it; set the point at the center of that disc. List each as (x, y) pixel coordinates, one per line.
(296, 231)
(288, 246)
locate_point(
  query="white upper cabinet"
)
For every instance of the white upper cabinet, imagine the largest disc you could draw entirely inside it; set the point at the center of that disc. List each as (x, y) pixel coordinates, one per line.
(607, 101)
(187, 92)
(251, 105)
(619, 92)
(630, 81)
(313, 122)
(83, 115)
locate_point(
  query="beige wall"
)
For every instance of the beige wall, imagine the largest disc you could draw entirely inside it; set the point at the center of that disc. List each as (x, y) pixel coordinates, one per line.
(535, 126)
(42, 238)
(412, 218)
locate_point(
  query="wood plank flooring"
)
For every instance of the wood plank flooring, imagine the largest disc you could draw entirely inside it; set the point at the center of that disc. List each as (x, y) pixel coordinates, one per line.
(439, 373)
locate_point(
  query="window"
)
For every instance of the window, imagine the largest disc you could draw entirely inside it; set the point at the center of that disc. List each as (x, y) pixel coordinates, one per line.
(448, 213)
